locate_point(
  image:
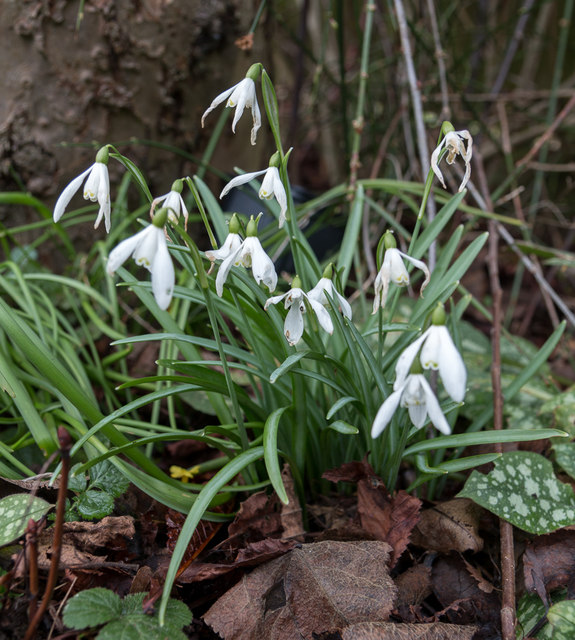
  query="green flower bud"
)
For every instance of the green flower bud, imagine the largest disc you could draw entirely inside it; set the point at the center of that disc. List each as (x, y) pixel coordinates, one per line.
(178, 185)
(296, 283)
(254, 71)
(252, 228)
(160, 217)
(328, 271)
(389, 241)
(235, 224)
(438, 316)
(103, 155)
(275, 160)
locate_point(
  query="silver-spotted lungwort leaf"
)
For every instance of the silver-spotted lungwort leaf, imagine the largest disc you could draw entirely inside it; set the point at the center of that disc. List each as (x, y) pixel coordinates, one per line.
(530, 612)
(565, 457)
(562, 618)
(523, 490)
(15, 511)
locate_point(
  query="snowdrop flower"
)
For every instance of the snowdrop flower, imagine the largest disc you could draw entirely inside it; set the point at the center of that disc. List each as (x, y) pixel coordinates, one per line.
(438, 353)
(295, 301)
(393, 270)
(454, 142)
(149, 248)
(325, 285)
(241, 95)
(271, 185)
(231, 244)
(97, 187)
(174, 203)
(414, 394)
(250, 253)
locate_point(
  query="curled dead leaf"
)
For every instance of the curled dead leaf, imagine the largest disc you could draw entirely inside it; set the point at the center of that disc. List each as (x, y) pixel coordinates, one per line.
(310, 590)
(449, 526)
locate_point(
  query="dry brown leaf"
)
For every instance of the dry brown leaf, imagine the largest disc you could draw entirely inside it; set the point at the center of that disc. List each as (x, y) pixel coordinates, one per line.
(413, 585)
(386, 518)
(290, 514)
(314, 588)
(391, 631)
(549, 563)
(460, 595)
(254, 554)
(449, 526)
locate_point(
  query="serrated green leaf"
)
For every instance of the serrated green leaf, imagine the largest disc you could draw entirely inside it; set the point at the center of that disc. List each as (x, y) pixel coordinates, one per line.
(133, 603)
(137, 626)
(91, 608)
(94, 504)
(105, 476)
(523, 490)
(77, 482)
(562, 617)
(178, 614)
(15, 511)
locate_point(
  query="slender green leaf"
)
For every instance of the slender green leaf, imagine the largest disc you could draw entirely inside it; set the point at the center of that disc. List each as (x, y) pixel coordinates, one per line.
(271, 457)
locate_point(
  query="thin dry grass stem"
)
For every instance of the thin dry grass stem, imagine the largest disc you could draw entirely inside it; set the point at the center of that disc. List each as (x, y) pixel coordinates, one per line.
(440, 57)
(506, 529)
(524, 13)
(507, 150)
(417, 114)
(546, 288)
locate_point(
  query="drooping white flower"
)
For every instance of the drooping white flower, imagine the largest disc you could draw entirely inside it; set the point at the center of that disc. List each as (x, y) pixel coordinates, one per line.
(241, 95)
(149, 249)
(174, 203)
(96, 188)
(295, 301)
(414, 394)
(325, 285)
(454, 142)
(250, 253)
(271, 186)
(393, 270)
(438, 352)
(231, 244)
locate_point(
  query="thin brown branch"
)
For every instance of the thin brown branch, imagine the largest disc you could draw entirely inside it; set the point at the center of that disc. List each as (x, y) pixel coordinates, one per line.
(545, 137)
(65, 445)
(505, 528)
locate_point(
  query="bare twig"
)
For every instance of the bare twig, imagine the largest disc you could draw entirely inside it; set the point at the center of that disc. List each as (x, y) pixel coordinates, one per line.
(505, 528)
(65, 445)
(548, 133)
(417, 112)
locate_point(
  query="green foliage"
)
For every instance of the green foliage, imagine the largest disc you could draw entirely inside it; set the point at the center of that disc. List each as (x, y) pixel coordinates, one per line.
(523, 489)
(95, 493)
(124, 619)
(15, 512)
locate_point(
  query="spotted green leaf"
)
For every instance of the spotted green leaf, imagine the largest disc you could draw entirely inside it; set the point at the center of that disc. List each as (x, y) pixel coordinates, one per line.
(562, 618)
(523, 490)
(565, 457)
(15, 511)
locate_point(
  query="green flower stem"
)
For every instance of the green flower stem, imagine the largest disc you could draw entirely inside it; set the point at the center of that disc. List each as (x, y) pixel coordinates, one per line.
(202, 211)
(358, 122)
(257, 16)
(213, 316)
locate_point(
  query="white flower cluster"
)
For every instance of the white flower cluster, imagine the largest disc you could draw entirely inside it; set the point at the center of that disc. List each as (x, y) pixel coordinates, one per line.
(434, 349)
